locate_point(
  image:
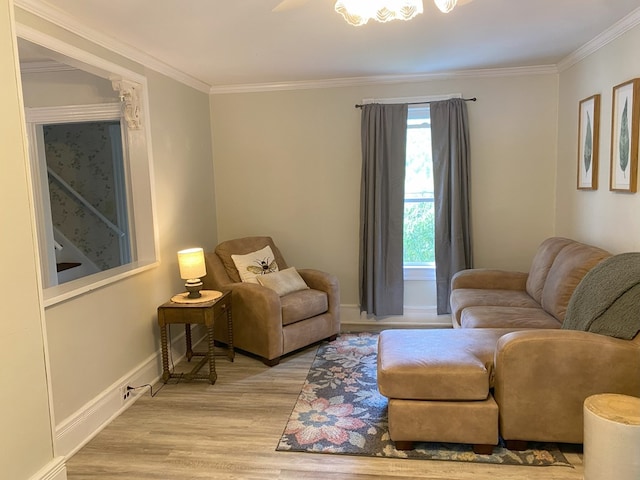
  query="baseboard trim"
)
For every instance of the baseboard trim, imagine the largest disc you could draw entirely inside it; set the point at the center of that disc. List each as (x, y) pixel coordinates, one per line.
(352, 320)
(56, 469)
(78, 429)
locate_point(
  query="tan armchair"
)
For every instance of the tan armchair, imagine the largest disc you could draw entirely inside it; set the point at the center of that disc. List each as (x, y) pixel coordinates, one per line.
(264, 323)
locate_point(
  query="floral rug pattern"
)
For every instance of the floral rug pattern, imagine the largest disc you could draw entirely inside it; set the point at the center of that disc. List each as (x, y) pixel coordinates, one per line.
(340, 411)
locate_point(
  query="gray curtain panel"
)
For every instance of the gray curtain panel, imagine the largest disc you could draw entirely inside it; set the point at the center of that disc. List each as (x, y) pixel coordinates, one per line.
(451, 177)
(384, 138)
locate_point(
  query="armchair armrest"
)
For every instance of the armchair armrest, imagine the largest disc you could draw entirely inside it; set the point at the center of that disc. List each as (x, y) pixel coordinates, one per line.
(328, 283)
(319, 280)
(257, 319)
(489, 279)
(542, 378)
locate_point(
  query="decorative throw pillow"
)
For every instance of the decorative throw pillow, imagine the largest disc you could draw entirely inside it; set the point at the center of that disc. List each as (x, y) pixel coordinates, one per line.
(283, 282)
(255, 264)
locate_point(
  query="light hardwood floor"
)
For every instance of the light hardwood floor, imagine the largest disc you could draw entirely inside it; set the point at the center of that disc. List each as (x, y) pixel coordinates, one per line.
(230, 430)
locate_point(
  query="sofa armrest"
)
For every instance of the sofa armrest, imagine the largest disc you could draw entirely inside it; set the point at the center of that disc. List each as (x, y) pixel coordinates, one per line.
(542, 378)
(489, 279)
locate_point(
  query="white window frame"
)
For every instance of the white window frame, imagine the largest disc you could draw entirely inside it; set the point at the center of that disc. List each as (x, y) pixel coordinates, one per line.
(423, 271)
(36, 118)
(142, 200)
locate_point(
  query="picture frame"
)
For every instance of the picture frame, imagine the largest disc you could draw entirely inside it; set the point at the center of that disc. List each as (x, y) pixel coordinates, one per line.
(588, 142)
(625, 119)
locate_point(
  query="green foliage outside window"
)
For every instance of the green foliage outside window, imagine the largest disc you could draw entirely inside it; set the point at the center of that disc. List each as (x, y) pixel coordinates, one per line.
(418, 233)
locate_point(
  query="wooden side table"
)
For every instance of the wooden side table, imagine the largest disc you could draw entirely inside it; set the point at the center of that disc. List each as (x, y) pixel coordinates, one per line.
(205, 313)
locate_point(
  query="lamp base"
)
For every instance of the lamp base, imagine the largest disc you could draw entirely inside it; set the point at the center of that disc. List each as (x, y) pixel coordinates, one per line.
(194, 286)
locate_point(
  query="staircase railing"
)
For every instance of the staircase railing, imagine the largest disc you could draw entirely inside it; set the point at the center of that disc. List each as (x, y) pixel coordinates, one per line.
(71, 191)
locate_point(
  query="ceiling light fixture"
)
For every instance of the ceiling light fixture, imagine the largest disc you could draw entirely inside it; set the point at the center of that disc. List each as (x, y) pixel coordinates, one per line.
(359, 12)
(445, 5)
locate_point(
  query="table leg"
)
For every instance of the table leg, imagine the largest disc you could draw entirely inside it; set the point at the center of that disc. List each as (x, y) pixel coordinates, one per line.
(230, 352)
(165, 354)
(187, 335)
(213, 376)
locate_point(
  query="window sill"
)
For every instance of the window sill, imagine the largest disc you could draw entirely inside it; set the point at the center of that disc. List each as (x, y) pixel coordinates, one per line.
(75, 288)
(419, 273)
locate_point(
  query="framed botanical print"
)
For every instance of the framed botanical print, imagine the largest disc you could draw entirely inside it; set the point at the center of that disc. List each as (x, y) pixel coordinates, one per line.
(588, 142)
(625, 118)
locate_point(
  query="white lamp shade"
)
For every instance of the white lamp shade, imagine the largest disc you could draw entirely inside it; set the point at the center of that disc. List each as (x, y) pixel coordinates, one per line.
(191, 263)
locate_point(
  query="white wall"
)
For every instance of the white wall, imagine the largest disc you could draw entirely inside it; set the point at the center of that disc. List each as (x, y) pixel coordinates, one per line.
(50, 89)
(607, 219)
(26, 431)
(97, 339)
(288, 165)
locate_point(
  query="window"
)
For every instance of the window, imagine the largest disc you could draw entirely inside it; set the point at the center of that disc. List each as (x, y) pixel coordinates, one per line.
(91, 166)
(78, 154)
(418, 235)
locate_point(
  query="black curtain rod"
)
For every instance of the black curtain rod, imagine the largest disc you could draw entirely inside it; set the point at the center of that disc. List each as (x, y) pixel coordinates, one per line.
(427, 103)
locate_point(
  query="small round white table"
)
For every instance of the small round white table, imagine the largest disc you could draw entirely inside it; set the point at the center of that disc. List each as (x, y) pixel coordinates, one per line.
(611, 437)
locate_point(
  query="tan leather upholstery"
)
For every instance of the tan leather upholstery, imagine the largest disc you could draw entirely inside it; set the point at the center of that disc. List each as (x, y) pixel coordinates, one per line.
(464, 298)
(541, 264)
(512, 317)
(264, 323)
(442, 384)
(436, 364)
(520, 365)
(557, 267)
(453, 422)
(571, 264)
(542, 378)
(438, 384)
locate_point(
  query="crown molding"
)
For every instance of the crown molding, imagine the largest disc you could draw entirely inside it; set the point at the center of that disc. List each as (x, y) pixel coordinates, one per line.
(609, 35)
(77, 57)
(45, 66)
(381, 79)
(52, 14)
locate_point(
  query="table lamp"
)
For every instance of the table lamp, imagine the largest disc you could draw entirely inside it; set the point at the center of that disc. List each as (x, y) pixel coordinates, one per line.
(192, 269)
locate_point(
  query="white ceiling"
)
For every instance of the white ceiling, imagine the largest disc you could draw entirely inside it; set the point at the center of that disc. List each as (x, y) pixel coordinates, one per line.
(241, 42)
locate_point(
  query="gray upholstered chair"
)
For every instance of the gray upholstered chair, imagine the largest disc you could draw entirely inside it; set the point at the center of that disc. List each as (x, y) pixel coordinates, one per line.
(264, 323)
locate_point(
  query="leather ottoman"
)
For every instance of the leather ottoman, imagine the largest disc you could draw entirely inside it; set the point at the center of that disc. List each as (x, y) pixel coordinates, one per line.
(438, 385)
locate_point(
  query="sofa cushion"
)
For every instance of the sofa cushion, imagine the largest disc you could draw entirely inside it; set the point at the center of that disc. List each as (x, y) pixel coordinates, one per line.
(462, 298)
(542, 263)
(507, 317)
(570, 266)
(303, 304)
(441, 364)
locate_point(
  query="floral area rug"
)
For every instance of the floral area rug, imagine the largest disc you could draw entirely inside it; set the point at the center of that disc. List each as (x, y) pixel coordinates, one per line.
(340, 411)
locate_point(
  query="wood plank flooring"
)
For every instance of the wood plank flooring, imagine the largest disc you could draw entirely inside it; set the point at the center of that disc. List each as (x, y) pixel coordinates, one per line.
(230, 430)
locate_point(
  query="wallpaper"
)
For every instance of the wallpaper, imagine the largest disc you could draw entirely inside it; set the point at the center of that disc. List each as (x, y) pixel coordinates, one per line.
(81, 154)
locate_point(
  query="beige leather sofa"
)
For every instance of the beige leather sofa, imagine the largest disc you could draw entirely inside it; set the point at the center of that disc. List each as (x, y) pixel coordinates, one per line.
(526, 381)
(264, 323)
(489, 298)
